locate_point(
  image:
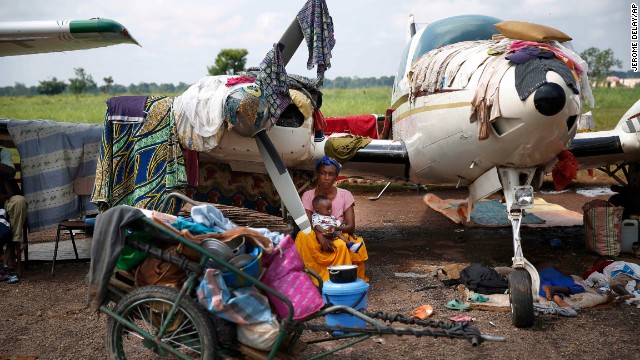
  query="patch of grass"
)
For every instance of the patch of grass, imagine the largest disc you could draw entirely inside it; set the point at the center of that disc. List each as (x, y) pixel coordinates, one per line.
(611, 104)
(344, 102)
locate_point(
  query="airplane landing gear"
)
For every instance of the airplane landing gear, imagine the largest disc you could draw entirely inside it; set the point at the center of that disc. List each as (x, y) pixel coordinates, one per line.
(524, 281)
(520, 298)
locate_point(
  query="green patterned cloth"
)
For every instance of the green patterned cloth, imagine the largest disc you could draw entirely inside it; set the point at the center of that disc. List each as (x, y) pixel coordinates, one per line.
(141, 163)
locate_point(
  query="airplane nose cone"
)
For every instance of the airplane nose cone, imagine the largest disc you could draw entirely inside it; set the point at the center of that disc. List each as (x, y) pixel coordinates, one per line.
(549, 99)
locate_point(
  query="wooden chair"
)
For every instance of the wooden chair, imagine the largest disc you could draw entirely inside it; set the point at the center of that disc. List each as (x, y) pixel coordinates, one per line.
(81, 187)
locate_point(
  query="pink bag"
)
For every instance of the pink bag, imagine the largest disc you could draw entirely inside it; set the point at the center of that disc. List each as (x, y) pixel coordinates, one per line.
(285, 273)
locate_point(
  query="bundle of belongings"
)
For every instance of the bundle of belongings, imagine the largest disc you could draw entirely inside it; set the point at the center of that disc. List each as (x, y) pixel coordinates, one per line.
(267, 256)
(559, 293)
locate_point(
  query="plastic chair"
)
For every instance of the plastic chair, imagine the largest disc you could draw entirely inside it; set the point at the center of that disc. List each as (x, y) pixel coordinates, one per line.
(81, 187)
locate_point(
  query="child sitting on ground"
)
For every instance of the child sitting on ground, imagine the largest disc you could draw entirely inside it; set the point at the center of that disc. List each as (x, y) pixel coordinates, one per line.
(324, 224)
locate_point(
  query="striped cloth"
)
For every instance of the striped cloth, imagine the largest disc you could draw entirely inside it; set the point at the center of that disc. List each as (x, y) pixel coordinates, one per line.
(52, 155)
(141, 163)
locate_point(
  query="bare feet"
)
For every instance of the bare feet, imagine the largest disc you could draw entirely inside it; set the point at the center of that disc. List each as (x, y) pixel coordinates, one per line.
(548, 292)
(560, 301)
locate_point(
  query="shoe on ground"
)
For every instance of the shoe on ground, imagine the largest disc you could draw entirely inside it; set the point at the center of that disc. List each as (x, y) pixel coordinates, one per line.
(355, 247)
(12, 279)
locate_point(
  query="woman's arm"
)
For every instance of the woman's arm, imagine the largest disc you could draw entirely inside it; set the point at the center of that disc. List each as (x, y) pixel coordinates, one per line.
(349, 225)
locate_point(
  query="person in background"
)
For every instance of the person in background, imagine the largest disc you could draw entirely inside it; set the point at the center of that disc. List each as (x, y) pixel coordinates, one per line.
(15, 205)
(318, 253)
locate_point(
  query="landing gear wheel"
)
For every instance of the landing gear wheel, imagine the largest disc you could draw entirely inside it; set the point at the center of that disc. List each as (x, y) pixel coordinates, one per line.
(191, 333)
(521, 299)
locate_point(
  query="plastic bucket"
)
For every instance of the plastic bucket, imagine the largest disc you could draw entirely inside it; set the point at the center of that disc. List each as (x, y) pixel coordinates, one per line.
(254, 268)
(352, 294)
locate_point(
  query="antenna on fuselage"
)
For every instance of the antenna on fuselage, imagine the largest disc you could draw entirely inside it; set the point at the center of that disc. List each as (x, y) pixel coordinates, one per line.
(412, 26)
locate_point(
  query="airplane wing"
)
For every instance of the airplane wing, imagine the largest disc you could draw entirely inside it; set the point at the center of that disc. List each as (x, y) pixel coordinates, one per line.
(33, 37)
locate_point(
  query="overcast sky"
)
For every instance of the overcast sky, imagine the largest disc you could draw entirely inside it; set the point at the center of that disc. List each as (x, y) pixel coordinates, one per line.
(180, 38)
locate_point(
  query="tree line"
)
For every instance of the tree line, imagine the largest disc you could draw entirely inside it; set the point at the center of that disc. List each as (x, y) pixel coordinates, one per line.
(232, 61)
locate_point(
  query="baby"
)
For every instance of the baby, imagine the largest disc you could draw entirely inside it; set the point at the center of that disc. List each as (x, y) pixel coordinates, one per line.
(322, 221)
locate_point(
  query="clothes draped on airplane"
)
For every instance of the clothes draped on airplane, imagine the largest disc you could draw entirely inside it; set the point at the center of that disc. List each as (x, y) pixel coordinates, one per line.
(198, 113)
(140, 164)
(319, 123)
(519, 44)
(461, 67)
(235, 80)
(533, 74)
(272, 79)
(52, 155)
(362, 125)
(191, 163)
(126, 109)
(585, 88)
(485, 105)
(529, 53)
(317, 28)
(565, 170)
(106, 246)
(451, 65)
(302, 102)
(343, 148)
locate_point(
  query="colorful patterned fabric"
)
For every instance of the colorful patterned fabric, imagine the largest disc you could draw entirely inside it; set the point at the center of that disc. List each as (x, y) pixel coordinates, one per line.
(317, 28)
(140, 164)
(52, 155)
(272, 79)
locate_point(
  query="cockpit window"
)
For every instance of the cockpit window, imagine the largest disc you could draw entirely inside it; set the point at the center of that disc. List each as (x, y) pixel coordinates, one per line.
(455, 29)
(403, 64)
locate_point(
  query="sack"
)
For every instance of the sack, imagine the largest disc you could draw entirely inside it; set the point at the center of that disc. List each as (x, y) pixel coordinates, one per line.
(260, 336)
(602, 227)
(285, 273)
(154, 271)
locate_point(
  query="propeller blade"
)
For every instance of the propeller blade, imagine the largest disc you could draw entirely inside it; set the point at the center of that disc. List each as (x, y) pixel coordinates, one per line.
(282, 181)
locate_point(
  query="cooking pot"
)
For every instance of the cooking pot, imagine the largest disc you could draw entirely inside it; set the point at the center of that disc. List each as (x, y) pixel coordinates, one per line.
(343, 273)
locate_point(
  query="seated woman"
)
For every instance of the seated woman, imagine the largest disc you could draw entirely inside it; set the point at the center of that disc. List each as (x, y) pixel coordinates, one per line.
(318, 253)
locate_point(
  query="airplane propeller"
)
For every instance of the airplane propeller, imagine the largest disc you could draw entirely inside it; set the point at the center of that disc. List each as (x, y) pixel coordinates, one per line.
(291, 39)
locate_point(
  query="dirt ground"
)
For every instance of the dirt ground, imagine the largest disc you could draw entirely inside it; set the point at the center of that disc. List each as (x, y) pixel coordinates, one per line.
(45, 317)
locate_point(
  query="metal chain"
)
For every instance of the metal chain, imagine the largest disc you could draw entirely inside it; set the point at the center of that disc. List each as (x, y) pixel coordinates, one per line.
(441, 329)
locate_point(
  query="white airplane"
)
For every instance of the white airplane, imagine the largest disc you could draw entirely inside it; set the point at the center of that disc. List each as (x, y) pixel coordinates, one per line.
(430, 137)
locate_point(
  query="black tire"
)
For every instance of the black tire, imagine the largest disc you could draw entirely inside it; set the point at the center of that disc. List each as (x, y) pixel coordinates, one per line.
(191, 333)
(521, 299)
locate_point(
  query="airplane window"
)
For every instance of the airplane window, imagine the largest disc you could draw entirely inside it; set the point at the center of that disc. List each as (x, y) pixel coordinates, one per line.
(403, 64)
(455, 29)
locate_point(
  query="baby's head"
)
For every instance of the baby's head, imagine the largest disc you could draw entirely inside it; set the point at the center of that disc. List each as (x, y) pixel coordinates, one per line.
(321, 205)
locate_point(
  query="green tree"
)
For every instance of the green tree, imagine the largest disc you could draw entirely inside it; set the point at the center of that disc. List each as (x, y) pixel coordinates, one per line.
(108, 82)
(600, 63)
(51, 87)
(229, 62)
(82, 83)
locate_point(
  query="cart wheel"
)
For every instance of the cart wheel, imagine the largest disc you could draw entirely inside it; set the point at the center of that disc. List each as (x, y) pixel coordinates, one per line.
(191, 333)
(521, 299)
